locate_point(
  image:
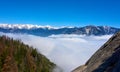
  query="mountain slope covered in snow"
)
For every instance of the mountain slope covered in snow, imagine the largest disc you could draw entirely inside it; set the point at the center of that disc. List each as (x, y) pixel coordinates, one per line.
(49, 30)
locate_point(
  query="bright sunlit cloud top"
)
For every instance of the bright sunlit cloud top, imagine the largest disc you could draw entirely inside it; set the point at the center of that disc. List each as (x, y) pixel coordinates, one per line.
(67, 51)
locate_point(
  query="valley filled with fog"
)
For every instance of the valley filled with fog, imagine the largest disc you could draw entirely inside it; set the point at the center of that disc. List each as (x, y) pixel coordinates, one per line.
(67, 51)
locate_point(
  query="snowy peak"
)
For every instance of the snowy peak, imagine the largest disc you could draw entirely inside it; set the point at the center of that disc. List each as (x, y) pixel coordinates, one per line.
(29, 26)
(20, 26)
(49, 30)
(99, 30)
(23, 26)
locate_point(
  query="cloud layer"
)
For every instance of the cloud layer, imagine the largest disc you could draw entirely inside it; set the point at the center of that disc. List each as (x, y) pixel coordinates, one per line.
(67, 51)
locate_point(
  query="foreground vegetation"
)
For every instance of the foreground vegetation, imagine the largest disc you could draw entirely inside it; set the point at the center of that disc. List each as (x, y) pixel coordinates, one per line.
(18, 57)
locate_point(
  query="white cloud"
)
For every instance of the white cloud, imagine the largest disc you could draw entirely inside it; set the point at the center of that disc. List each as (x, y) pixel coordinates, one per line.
(67, 51)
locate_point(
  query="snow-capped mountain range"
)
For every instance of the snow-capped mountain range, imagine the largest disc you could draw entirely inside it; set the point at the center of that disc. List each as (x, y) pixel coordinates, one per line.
(49, 30)
(28, 26)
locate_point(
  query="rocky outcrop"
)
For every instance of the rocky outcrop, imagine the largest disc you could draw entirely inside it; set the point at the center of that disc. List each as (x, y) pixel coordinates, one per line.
(106, 59)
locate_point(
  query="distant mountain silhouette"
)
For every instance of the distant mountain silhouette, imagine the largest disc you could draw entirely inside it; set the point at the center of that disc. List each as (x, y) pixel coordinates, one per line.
(106, 59)
(18, 57)
(48, 30)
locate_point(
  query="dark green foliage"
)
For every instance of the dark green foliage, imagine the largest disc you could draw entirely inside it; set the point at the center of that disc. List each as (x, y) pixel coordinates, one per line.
(18, 57)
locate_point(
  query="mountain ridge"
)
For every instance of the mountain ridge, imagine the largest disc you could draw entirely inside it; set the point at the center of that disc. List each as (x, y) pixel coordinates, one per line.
(45, 31)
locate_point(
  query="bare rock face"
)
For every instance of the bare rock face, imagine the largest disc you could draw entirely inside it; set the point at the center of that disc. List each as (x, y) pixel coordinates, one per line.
(106, 59)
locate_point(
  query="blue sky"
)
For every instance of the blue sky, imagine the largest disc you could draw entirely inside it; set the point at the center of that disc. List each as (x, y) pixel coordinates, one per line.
(61, 12)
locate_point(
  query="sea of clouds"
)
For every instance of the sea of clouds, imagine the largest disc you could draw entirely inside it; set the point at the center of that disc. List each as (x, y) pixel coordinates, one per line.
(67, 51)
